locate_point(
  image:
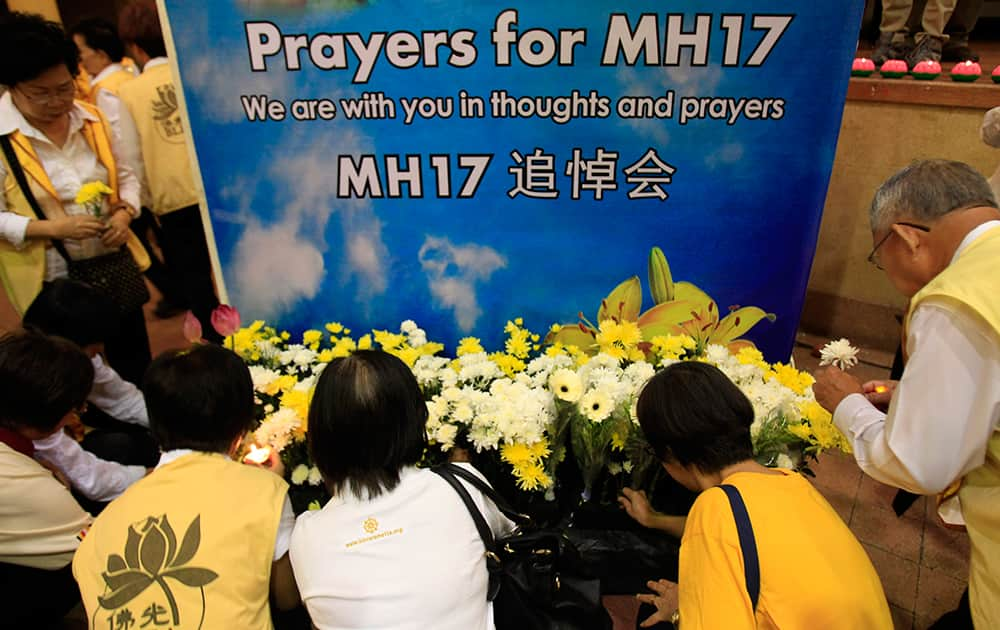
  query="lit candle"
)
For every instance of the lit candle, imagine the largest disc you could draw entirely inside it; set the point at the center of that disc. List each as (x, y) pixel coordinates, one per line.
(927, 70)
(862, 67)
(258, 455)
(966, 71)
(996, 74)
(881, 389)
(893, 69)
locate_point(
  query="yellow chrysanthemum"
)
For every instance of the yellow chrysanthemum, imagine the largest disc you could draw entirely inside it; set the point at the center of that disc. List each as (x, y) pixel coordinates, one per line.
(617, 442)
(672, 346)
(285, 335)
(555, 350)
(365, 343)
(532, 476)
(298, 401)
(325, 355)
(540, 449)
(517, 454)
(518, 342)
(312, 338)
(620, 339)
(510, 365)
(281, 384)
(791, 378)
(334, 328)
(343, 347)
(92, 193)
(388, 340)
(752, 356)
(468, 345)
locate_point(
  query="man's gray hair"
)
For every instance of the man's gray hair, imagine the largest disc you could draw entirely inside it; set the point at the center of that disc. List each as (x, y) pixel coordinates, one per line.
(927, 190)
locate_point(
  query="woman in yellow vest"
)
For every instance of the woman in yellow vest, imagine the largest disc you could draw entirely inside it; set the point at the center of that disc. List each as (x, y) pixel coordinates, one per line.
(698, 424)
(57, 146)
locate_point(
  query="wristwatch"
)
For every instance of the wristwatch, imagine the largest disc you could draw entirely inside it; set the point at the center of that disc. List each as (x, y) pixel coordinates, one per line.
(675, 619)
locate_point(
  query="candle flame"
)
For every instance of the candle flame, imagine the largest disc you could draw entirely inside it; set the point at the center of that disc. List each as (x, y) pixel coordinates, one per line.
(881, 389)
(258, 455)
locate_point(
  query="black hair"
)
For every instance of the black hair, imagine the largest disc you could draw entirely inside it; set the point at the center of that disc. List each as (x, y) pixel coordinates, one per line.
(692, 414)
(42, 379)
(100, 35)
(201, 399)
(73, 310)
(30, 45)
(366, 422)
(139, 24)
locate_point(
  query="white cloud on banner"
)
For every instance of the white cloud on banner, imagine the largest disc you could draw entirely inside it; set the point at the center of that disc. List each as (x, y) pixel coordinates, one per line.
(453, 272)
(726, 154)
(274, 269)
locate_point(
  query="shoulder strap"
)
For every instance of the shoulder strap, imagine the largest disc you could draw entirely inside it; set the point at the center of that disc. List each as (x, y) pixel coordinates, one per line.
(490, 493)
(446, 472)
(18, 172)
(748, 544)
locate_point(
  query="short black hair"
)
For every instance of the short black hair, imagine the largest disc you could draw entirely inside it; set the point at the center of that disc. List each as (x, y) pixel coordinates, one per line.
(42, 379)
(367, 421)
(692, 414)
(139, 24)
(73, 310)
(201, 399)
(30, 45)
(100, 35)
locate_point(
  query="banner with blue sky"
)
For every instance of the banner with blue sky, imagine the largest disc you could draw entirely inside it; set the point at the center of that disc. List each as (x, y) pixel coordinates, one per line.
(465, 163)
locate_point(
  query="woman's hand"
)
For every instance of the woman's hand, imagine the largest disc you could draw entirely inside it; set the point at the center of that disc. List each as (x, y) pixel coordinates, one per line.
(879, 393)
(272, 463)
(664, 597)
(117, 231)
(636, 504)
(76, 227)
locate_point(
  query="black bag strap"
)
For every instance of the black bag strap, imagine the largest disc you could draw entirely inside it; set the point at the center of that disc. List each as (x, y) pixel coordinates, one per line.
(18, 172)
(748, 544)
(490, 493)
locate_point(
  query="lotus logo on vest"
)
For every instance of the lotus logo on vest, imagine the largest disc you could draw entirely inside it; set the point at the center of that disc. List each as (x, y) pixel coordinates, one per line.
(370, 525)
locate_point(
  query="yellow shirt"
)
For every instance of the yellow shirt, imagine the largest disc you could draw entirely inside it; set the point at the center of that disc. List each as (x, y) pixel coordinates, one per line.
(189, 546)
(814, 573)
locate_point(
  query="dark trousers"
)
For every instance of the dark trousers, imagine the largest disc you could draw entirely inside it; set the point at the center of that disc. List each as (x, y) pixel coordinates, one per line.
(127, 349)
(146, 230)
(37, 598)
(186, 253)
(958, 619)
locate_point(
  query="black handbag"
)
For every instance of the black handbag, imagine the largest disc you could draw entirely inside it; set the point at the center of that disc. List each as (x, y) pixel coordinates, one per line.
(115, 275)
(536, 578)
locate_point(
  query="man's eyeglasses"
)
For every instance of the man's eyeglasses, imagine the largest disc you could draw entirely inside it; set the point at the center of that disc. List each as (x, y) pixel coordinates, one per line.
(873, 257)
(38, 96)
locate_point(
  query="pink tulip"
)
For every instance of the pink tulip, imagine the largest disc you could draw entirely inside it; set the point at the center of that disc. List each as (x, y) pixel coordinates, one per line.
(225, 320)
(192, 328)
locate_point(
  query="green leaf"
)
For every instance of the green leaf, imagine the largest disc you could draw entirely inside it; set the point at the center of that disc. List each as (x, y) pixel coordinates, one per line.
(192, 576)
(125, 594)
(661, 282)
(572, 335)
(117, 581)
(132, 549)
(153, 550)
(192, 539)
(116, 563)
(738, 322)
(663, 318)
(623, 303)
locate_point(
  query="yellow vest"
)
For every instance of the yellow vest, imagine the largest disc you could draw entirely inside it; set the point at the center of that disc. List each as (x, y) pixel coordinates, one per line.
(189, 546)
(152, 100)
(23, 270)
(111, 83)
(972, 281)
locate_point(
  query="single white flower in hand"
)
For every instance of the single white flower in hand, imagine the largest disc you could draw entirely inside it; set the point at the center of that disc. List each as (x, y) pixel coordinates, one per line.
(839, 353)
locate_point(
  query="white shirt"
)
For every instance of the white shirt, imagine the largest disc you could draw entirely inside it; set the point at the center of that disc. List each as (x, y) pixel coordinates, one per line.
(944, 409)
(93, 477)
(121, 123)
(69, 167)
(285, 525)
(409, 559)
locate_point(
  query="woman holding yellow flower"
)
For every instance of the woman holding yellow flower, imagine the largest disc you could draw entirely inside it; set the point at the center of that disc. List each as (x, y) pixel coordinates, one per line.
(66, 196)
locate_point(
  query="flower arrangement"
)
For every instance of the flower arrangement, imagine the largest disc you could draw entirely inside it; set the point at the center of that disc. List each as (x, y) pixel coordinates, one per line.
(92, 195)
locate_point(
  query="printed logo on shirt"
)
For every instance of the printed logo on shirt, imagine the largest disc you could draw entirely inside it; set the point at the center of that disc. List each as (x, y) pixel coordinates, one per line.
(370, 526)
(145, 585)
(166, 115)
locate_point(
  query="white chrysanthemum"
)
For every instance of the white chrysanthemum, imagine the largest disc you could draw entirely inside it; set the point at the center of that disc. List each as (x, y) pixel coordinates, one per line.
(784, 461)
(716, 354)
(839, 353)
(300, 474)
(304, 357)
(408, 326)
(614, 468)
(463, 412)
(566, 385)
(315, 478)
(627, 466)
(639, 372)
(262, 377)
(445, 435)
(596, 405)
(430, 370)
(276, 430)
(305, 384)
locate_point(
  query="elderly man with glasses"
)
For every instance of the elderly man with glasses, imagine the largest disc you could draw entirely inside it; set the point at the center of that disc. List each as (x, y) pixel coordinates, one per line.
(936, 234)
